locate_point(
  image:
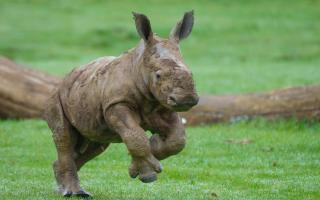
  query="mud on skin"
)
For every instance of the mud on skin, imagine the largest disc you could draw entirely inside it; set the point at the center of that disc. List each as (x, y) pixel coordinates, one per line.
(117, 99)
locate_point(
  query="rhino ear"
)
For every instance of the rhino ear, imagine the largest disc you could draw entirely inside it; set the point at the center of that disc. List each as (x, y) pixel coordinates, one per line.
(183, 27)
(143, 26)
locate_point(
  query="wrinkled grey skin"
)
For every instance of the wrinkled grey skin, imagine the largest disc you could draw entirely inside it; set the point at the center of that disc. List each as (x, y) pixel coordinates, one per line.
(116, 99)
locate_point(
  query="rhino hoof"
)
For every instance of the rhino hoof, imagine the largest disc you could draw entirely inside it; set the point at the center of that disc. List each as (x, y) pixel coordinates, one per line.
(83, 194)
(133, 172)
(133, 175)
(160, 169)
(67, 193)
(148, 178)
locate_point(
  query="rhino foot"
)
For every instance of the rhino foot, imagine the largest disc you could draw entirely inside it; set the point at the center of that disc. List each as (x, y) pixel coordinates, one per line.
(146, 169)
(80, 194)
(83, 194)
(67, 193)
(148, 178)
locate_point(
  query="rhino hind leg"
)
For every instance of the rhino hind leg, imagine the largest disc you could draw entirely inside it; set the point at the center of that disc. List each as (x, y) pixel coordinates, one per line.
(65, 168)
(92, 150)
(65, 138)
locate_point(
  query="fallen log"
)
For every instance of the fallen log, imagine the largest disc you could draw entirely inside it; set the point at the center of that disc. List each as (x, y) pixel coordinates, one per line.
(23, 92)
(298, 102)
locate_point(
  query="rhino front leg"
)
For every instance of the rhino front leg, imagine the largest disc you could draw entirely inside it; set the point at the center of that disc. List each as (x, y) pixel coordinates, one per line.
(170, 140)
(126, 123)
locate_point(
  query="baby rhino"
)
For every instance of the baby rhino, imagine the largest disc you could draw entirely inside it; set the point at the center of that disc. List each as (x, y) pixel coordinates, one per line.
(117, 99)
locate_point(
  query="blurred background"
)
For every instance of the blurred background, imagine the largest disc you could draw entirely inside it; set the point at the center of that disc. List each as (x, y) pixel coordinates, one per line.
(236, 47)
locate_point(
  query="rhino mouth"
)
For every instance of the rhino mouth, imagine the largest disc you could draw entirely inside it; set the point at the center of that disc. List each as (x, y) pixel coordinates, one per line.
(181, 108)
(182, 104)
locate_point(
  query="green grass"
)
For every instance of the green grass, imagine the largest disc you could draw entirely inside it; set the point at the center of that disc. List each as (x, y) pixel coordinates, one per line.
(242, 46)
(281, 162)
(236, 47)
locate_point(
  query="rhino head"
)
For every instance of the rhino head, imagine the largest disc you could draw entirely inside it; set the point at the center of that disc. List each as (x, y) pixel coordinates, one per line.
(164, 72)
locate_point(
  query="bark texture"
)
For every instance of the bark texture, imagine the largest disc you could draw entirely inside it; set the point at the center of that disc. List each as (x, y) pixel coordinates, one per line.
(299, 102)
(24, 91)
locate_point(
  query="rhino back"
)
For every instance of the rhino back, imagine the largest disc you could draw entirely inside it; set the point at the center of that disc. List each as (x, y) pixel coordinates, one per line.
(80, 95)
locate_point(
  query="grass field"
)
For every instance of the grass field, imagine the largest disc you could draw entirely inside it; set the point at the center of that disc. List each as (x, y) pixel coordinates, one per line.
(236, 47)
(282, 162)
